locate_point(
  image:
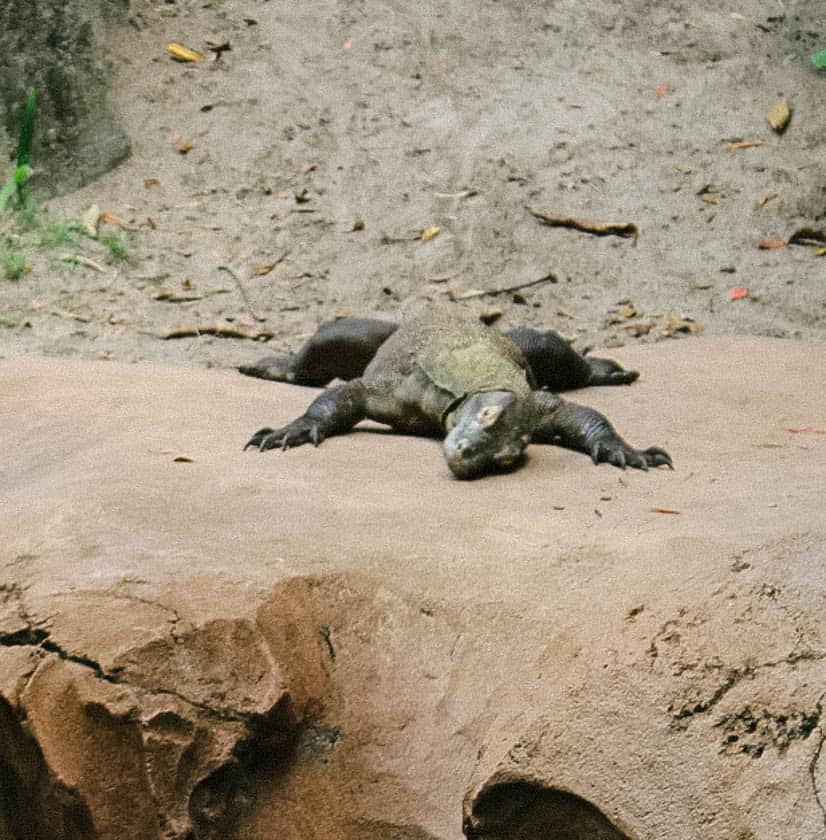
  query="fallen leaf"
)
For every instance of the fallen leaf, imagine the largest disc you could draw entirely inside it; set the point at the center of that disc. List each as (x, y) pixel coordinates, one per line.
(261, 270)
(665, 510)
(762, 202)
(308, 167)
(710, 199)
(358, 224)
(181, 53)
(624, 229)
(628, 311)
(779, 115)
(184, 148)
(662, 90)
(430, 233)
(819, 252)
(807, 430)
(738, 293)
(151, 183)
(219, 47)
(558, 507)
(183, 459)
(772, 244)
(490, 316)
(117, 221)
(673, 325)
(807, 236)
(91, 221)
(152, 223)
(636, 330)
(746, 144)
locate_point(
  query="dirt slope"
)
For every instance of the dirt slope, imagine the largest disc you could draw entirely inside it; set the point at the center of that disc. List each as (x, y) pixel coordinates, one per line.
(453, 115)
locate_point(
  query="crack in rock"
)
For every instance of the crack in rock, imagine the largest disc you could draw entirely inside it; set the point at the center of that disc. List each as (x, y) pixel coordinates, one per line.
(40, 638)
(734, 676)
(813, 765)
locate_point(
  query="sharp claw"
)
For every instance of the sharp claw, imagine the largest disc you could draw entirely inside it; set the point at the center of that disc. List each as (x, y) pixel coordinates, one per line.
(659, 457)
(258, 438)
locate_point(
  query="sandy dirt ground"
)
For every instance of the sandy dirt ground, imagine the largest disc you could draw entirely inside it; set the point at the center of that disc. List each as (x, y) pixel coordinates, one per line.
(289, 176)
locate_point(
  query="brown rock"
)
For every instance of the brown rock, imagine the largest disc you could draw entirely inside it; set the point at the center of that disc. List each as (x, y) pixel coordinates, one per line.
(347, 643)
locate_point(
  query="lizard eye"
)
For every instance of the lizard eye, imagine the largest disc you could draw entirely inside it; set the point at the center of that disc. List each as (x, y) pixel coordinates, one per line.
(489, 415)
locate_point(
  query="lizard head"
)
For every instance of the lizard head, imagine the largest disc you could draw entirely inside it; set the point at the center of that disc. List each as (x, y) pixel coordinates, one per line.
(488, 432)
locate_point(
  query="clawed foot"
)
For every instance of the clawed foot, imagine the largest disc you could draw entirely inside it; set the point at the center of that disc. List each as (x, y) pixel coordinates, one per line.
(297, 433)
(275, 368)
(621, 455)
(608, 372)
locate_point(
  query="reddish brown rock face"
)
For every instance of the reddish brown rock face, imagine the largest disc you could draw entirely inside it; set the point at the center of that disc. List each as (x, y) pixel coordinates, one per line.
(356, 646)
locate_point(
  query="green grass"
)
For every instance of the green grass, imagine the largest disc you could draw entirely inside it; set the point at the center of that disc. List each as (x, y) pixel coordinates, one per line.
(54, 233)
(27, 214)
(118, 246)
(13, 263)
(23, 170)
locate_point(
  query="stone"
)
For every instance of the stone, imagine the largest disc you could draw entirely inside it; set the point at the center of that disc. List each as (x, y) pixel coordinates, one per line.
(60, 49)
(348, 643)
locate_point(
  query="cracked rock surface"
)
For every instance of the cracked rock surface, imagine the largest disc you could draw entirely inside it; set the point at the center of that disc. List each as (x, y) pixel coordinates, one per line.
(348, 643)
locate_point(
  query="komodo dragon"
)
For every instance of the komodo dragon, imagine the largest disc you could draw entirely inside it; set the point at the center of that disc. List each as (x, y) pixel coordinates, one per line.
(443, 374)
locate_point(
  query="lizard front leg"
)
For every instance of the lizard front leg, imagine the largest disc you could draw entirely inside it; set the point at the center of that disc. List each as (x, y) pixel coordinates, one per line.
(586, 430)
(333, 412)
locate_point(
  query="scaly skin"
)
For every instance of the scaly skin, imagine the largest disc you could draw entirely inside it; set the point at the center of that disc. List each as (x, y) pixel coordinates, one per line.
(342, 349)
(443, 375)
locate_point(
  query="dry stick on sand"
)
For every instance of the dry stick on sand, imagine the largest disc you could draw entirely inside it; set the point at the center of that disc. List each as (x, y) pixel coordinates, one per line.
(626, 229)
(548, 278)
(240, 286)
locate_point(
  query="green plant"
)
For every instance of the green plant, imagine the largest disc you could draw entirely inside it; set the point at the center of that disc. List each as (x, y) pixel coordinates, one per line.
(819, 59)
(14, 264)
(54, 233)
(118, 246)
(23, 170)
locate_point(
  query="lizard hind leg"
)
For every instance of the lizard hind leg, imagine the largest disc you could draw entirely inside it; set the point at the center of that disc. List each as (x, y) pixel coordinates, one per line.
(339, 349)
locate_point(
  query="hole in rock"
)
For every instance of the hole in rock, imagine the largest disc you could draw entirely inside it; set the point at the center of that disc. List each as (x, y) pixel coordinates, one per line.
(527, 811)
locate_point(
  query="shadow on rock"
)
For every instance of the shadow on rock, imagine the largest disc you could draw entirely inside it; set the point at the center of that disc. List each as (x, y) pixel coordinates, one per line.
(523, 810)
